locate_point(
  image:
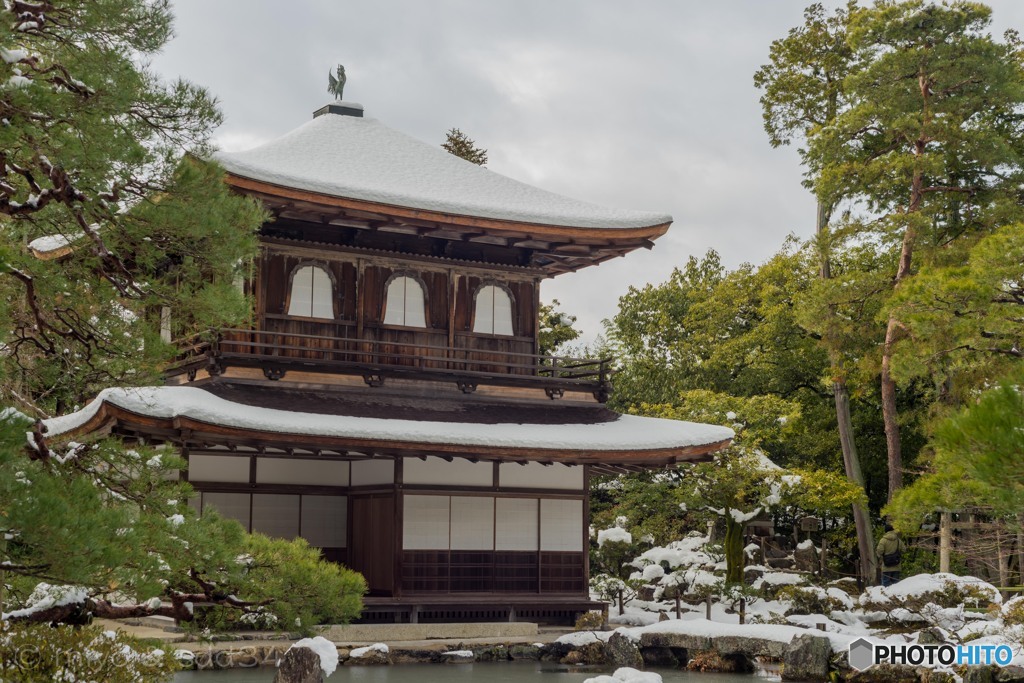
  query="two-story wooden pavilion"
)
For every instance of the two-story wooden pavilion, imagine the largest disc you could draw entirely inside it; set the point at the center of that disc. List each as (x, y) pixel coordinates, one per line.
(390, 403)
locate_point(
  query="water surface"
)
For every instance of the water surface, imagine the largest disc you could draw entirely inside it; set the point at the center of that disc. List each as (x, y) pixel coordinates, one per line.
(477, 672)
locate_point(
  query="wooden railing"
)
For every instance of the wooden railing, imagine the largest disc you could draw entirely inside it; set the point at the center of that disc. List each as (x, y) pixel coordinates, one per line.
(376, 359)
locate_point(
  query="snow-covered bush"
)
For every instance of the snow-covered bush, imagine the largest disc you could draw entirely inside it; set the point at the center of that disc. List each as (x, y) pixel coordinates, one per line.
(943, 590)
(812, 600)
(1012, 612)
(42, 653)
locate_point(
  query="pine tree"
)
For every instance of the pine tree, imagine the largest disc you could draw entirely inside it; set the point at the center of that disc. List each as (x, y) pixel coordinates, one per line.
(925, 146)
(109, 215)
(462, 146)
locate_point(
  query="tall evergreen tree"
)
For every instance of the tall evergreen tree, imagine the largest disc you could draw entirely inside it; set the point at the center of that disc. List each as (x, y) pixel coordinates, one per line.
(930, 144)
(803, 92)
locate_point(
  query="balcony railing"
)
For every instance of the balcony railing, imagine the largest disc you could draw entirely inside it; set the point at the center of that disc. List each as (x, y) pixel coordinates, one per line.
(277, 352)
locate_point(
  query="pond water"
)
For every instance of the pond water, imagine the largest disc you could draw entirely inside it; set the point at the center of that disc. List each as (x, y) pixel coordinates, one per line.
(478, 672)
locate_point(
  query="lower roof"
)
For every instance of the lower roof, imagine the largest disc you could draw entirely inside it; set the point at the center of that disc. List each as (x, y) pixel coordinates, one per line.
(282, 418)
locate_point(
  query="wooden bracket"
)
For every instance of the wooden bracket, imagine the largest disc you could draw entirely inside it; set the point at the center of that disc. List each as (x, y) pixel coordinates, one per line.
(466, 387)
(554, 393)
(374, 380)
(273, 374)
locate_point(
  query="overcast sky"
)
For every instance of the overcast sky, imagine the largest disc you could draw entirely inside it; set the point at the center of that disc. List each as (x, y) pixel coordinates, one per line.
(646, 105)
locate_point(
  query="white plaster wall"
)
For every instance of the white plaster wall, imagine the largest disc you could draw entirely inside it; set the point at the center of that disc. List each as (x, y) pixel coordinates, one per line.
(458, 472)
(226, 468)
(534, 475)
(302, 471)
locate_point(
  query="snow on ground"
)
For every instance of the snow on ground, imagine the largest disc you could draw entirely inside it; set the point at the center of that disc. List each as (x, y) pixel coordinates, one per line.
(895, 614)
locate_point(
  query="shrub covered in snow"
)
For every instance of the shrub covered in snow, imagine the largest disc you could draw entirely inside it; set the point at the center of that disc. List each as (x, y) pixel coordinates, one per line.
(943, 590)
(42, 653)
(813, 600)
(1012, 612)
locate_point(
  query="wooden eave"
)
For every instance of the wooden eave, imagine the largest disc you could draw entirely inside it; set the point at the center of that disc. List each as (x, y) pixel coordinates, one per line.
(556, 248)
(189, 432)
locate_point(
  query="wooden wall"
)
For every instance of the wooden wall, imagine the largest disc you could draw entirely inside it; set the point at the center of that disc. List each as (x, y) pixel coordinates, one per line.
(360, 294)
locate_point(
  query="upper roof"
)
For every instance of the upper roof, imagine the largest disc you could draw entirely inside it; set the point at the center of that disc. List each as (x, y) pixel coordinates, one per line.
(358, 158)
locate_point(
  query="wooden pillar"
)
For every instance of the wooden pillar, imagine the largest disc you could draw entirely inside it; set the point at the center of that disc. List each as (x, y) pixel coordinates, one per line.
(396, 582)
(945, 539)
(360, 297)
(452, 293)
(586, 527)
(536, 316)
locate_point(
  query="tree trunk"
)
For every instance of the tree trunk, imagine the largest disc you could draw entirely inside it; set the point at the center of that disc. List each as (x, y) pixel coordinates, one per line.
(851, 462)
(1002, 557)
(945, 540)
(890, 415)
(733, 550)
(1020, 548)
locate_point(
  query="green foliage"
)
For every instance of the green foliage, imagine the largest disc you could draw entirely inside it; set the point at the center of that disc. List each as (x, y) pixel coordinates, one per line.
(965, 317)
(808, 600)
(35, 653)
(977, 460)
(555, 328)
(109, 520)
(93, 148)
(307, 590)
(104, 159)
(461, 145)
(803, 82)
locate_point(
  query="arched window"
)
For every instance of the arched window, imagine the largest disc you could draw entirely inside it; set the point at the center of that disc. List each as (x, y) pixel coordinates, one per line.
(493, 311)
(406, 304)
(312, 293)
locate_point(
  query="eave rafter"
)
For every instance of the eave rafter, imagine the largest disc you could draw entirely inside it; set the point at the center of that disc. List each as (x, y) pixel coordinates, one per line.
(584, 246)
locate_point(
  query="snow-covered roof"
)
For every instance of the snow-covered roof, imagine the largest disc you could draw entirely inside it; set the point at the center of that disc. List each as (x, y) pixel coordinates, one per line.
(360, 158)
(626, 434)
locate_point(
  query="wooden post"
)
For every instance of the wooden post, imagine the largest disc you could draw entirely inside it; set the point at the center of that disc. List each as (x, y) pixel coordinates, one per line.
(743, 610)
(821, 558)
(707, 613)
(945, 539)
(1020, 548)
(622, 607)
(679, 607)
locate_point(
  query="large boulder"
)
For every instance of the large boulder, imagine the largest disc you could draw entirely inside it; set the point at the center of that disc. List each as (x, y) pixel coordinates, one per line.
(299, 665)
(749, 647)
(806, 558)
(622, 650)
(684, 641)
(979, 674)
(1010, 674)
(807, 659)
